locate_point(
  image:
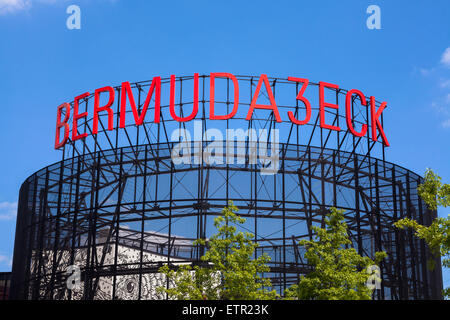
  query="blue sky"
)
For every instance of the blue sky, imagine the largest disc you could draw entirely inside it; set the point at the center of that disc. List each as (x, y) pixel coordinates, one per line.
(42, 63)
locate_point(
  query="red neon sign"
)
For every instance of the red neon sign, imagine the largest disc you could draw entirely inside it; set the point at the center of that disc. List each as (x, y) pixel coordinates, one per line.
(155, 90)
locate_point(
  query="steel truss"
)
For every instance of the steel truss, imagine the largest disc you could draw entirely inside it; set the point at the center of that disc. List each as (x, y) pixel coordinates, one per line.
(96, 202)
(118, 207)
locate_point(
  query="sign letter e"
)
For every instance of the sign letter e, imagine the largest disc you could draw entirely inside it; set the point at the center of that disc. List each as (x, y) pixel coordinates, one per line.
(74, 20)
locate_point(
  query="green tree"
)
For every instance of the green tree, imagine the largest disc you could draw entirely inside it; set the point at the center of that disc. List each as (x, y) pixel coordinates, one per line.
(229, 271)
(338, 271)
(437, 235)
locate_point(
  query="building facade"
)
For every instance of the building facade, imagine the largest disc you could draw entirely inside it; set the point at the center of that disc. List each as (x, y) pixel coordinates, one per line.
(119, 206)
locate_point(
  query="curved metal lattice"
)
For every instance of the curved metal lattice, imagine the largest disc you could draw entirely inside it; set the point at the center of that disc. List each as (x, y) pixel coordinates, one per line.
(118, 207)
(120, 214)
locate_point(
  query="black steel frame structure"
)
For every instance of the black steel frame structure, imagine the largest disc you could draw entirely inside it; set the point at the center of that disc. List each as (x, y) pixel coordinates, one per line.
(121, 188)
(5, 283)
